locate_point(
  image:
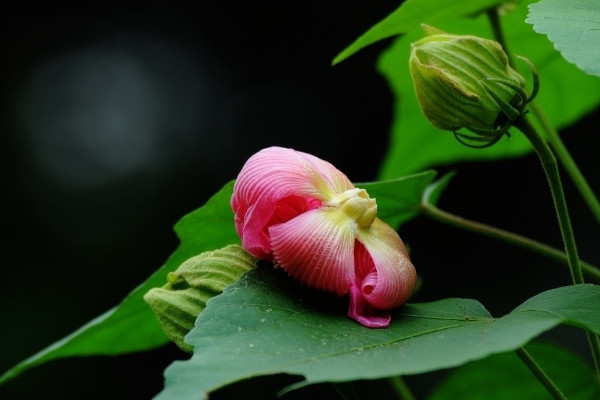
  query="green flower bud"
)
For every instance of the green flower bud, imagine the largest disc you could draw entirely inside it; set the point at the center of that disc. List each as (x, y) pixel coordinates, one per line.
(466, 82)
(179, 302)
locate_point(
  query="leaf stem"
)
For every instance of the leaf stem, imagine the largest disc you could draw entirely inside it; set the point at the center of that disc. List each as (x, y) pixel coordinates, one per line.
(437, 214)
(540, 374)
(567, 161)
(550, 167)
(401, 388)
(346, 390)
(497, 31)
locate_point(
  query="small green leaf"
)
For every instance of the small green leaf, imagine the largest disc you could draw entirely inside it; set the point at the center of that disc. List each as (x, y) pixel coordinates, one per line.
(416, 145)
(410, 15)
(132, 326)
(574, 28)
(267, 324)
(504, 376)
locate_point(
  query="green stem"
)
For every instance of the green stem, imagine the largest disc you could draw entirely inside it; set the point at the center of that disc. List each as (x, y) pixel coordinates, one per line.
(435, 213)
(497, 31)
(567, 161)
(594, 342)
(540, 374)
(550, 167)
(401, 388)
(346, 390)
(572, 169)
(551, 133)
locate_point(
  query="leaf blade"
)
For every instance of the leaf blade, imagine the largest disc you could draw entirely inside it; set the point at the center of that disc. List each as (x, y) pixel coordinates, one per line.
(410, 15)
(309, 335)
(574, 29)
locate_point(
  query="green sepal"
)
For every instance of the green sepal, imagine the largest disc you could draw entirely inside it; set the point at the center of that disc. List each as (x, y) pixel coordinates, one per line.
(512, 111)
(178, 303)
(535, 76)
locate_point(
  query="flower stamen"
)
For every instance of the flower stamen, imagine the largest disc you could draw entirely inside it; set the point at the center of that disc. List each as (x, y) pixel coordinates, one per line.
(357, 205)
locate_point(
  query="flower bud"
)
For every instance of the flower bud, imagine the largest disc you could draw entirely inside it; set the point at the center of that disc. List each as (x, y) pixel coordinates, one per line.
(466, 82)
(179, 302)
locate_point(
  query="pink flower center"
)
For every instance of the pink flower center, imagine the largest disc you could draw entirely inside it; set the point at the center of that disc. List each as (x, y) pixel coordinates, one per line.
(290, 207)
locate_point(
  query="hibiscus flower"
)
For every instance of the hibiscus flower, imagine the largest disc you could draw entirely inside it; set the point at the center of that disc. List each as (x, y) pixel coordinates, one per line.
(306, 216)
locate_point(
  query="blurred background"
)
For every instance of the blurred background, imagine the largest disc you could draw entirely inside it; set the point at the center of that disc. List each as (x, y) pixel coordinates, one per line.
(118, 119)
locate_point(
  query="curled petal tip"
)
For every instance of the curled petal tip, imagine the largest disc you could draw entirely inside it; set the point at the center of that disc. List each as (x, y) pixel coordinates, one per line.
(365, 314)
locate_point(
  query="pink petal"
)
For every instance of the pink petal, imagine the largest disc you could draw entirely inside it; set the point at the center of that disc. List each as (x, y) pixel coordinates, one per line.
(254, 230)
(268, 187)
(317, 248)
(386, 275)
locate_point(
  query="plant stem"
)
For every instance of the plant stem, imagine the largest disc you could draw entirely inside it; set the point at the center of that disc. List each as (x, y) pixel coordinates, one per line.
(550, 167)
(401, 388)
(594, 342)
(551, 133)
(437, 214)
(497, 31)
(567, 161)
(540, 374)
(346, 390)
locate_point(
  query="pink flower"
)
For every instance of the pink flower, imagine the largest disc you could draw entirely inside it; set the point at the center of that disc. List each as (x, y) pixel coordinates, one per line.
(305, 216)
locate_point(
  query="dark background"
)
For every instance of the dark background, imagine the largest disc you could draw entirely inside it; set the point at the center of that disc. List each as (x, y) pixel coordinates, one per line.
(118, 119)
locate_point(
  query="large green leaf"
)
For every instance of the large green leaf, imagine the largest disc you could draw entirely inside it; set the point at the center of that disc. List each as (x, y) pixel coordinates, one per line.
(410, 14)
(268, 324)
(574, 28)
(132, 326)
(505, 376)
(415, 144)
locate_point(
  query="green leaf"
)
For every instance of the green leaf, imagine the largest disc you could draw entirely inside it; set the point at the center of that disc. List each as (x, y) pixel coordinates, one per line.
(574, 28)
(504, 376)
(416, 145)
(410, 15)
(267, 324)
(398, 200)
(132, 326)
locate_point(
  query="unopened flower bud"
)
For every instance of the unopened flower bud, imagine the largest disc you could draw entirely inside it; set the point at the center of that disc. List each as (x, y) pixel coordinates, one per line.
(466, 82)
(179, 302)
